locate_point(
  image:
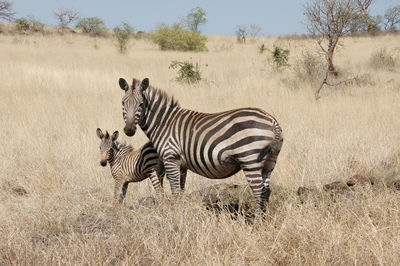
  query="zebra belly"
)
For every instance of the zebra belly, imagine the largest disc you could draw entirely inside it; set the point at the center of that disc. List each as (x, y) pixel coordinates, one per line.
(222, 171)
(137, 177)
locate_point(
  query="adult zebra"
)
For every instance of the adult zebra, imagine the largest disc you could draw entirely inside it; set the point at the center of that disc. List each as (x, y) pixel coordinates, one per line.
(214, 145)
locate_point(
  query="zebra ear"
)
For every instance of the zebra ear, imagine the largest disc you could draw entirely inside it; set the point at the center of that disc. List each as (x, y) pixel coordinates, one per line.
(115, 135)
(123, 84)
(99, 133)
(145, 84)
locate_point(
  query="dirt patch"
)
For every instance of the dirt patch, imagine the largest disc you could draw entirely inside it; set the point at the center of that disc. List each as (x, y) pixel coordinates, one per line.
(359, 180)
(396, 185)
(18, 190)
(14, 189)
(336, 187)
(305, 191)
(236, 199)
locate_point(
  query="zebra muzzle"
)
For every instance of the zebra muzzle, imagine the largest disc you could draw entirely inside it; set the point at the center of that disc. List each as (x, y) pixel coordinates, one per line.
(129, 131)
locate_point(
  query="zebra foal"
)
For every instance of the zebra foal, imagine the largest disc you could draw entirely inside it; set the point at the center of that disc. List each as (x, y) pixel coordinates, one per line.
(128, 165)
(214, 145)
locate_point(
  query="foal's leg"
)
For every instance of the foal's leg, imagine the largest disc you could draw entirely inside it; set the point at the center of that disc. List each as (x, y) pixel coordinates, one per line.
(183, 178)
(155, 181)
(119, 190)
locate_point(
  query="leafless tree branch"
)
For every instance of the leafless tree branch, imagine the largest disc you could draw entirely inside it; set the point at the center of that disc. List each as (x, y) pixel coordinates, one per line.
(65, 16)
(325, 82)
(6, 12)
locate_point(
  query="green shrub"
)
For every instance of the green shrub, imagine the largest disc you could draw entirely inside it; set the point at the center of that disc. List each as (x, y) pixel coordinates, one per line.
(35, 25)
(187, 72)
(382, 60)
(22, 24)
(175, 37)
(139, 35)
(29, 24)
(262, 48)
(92, 25)
(280, 57)
(122, 34)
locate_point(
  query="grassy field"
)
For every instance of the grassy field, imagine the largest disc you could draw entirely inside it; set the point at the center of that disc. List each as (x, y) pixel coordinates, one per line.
(56, 90)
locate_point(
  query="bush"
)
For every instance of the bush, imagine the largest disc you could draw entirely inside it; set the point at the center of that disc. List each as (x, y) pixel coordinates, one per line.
(280, 57)
(139, 35)
(308, 68)
(262, 48)
(35, 25)
(122, 34)
(175, 37)
(382, 60)
(29, 24)
(92, 25)
(187, 72)
(22, 24)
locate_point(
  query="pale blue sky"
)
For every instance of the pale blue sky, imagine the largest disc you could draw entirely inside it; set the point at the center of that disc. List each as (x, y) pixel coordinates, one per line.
(275, 17)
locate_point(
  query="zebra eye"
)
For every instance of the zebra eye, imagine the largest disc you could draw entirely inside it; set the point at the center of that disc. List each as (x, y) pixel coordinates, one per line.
(123, 103)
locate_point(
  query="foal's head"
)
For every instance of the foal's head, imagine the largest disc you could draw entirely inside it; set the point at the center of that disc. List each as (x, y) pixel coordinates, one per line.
(107, 146)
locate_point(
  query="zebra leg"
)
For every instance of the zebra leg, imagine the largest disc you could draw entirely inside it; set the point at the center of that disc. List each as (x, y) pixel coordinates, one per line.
(183, 178)
(124, 189)
(155, 181)
(269, 166)
(255, 180)
(266, 173)
(173, 174)
(119, 190)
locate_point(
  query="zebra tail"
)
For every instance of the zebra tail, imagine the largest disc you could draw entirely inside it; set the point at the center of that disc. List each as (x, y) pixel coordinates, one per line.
(161, 170)
(273, 146)
(264, 152)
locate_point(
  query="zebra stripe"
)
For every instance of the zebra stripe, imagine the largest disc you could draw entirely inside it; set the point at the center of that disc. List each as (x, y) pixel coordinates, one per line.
(214, 145)
(128, 165)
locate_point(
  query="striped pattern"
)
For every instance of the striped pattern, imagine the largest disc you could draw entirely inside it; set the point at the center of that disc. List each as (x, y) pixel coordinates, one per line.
(128, 165)
(214, 145)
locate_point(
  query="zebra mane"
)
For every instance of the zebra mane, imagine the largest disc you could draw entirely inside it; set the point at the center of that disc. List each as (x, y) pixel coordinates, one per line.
(122, 146)
(153, 91)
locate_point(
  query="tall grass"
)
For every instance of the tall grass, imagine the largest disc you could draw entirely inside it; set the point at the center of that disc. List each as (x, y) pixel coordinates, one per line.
(56, 90)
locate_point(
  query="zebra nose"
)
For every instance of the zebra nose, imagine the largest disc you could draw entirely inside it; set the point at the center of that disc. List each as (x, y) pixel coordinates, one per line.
(103, 163)
(129, 131)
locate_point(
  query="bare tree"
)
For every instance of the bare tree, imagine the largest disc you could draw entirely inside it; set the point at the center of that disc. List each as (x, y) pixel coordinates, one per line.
(241, 33)
(329, 20)
(65, 16)
(6, 11)
(254, 30)
(363, 6)
(391, 18)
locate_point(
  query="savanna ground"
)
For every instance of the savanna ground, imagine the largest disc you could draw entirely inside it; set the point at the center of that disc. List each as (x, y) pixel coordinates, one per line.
(56, 90)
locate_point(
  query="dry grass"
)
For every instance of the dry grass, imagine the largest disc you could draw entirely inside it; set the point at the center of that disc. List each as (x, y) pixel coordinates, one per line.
(56, 90)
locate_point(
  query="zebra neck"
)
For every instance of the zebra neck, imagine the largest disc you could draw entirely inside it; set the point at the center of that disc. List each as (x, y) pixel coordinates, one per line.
(119, 150)
(158, 113)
